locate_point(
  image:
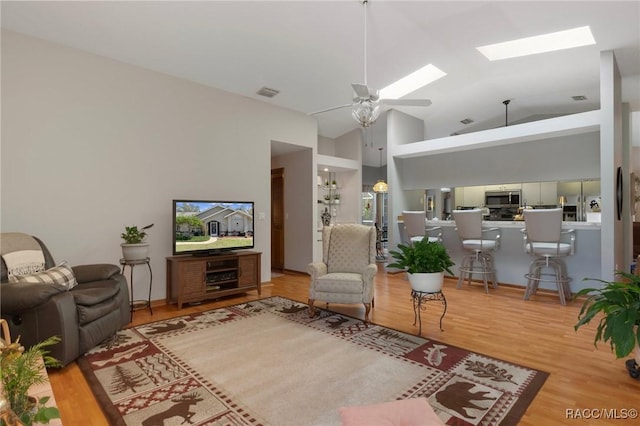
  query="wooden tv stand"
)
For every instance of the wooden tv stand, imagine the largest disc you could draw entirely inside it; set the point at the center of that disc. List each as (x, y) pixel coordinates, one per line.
(198, 278)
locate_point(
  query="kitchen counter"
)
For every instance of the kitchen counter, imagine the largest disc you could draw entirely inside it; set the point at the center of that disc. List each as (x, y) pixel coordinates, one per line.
(516, 224)
(512, 262)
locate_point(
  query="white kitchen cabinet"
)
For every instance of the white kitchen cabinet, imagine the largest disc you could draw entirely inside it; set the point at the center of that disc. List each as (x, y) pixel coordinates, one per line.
(540, 193)
(531, 193)
(469, 196)
(458, 196)
(473, 196)
(549, 193)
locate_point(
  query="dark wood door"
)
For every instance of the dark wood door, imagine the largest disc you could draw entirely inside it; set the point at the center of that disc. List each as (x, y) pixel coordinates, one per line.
(277, 219)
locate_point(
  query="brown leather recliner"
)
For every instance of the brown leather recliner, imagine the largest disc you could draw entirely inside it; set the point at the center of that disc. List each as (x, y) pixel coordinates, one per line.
(83, 316)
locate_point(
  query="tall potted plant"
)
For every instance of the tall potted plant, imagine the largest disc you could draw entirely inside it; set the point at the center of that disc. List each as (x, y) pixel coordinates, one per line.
(618, 303)
(134, 246)
(425, 263)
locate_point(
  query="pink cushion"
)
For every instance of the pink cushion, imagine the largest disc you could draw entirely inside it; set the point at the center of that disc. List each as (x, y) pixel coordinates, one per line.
(403, 412)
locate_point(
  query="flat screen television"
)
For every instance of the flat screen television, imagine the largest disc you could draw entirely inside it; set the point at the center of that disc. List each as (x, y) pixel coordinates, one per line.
(203, 227)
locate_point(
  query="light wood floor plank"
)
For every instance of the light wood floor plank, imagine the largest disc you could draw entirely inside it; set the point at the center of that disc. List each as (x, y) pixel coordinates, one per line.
(537, 333)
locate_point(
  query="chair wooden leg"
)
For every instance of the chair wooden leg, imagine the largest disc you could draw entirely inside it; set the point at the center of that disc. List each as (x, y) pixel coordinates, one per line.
(367, 309)
(311, 310)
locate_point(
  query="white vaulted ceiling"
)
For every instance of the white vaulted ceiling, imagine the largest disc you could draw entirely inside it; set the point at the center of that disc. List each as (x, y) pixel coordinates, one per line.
(311, 51)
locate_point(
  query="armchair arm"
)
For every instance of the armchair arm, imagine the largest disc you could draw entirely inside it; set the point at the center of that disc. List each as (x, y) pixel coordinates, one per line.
(368, 275)
(369, 272)
(96, 272)
(18, 297)
(316, 269)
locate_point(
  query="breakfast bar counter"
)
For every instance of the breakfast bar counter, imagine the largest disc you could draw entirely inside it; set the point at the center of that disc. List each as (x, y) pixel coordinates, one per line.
(512, 262)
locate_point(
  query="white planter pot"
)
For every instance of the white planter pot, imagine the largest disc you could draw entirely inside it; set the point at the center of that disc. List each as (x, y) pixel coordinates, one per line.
(427, 282)
(135, 251)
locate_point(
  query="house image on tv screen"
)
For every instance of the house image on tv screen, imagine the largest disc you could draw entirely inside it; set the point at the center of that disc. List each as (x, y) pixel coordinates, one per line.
(213, 225)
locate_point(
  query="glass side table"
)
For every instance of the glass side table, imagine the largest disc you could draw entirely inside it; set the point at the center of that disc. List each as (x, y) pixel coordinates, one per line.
(138, 304)
(419, 299)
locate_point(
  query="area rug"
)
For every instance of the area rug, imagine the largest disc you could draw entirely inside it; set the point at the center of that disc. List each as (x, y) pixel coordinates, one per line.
(267, 363)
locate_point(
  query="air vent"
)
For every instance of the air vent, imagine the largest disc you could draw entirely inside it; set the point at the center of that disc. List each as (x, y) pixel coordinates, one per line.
(267, 92)
(466, 121)
(579, 98)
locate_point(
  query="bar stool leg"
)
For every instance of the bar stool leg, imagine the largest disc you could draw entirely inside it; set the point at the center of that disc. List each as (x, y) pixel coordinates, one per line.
(485, 269)
(463, 267)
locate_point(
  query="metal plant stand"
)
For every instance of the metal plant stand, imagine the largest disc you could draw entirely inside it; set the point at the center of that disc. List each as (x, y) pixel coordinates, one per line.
(138, 304)
(419, 299)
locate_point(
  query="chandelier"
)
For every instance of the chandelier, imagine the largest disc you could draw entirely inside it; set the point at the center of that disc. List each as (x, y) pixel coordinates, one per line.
(381, 185)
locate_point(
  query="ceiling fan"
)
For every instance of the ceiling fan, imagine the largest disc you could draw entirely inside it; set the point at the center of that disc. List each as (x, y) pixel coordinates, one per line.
(367, 105)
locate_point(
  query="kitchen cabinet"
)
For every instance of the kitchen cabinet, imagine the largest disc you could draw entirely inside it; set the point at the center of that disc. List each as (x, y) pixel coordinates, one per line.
(470, 196)
(540, 193)
(549, 193)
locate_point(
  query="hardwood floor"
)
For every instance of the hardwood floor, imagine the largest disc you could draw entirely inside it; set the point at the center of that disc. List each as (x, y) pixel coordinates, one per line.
(537, 333)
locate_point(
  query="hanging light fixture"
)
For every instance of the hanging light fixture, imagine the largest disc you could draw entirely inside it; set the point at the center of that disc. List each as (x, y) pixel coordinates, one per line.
(381, 185)
(366, 112)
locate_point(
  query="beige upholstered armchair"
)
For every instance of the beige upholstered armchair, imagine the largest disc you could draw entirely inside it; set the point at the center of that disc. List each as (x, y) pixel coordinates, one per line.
(348, 266)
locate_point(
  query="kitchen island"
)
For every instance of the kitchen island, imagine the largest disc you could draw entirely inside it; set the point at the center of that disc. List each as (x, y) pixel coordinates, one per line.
(512, 262)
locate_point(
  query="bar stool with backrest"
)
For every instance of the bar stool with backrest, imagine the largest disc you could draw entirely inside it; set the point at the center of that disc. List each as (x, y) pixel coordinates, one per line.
(543, 239)
(479, 243)
(415, 227)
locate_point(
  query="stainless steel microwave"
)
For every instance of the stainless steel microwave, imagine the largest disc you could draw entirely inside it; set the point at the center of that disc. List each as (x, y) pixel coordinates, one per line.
(502, 198)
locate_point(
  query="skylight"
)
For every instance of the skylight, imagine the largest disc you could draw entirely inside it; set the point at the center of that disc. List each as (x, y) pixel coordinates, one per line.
(414, 81)
(539, 44)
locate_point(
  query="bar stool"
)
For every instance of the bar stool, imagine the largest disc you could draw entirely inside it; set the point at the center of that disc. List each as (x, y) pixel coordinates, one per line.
(415, 227)
(543, 237)
(474, 239)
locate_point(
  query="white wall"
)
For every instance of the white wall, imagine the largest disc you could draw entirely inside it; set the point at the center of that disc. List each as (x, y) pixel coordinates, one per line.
(90, 145)
(299, 225)
(401, 129)
(568, 158)
(349, 146)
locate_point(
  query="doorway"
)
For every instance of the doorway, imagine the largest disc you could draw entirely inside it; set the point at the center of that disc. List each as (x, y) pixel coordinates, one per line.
(277, 219)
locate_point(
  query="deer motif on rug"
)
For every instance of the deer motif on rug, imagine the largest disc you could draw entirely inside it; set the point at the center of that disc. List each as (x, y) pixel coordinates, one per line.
(181, 408)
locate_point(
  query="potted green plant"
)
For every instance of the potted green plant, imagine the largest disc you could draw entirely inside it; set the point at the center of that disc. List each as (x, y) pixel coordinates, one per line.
(618, 303)
(425, 263)
(135, 247)
(20, 370)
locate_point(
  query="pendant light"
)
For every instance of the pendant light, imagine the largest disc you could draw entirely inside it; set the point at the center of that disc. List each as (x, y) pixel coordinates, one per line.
(381, 185)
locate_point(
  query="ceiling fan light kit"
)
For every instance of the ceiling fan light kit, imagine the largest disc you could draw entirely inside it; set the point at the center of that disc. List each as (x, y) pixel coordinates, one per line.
(365, 112)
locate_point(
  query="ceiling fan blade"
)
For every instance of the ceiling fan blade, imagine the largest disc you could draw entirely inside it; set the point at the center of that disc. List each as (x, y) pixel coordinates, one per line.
(329, 109)
(361, 90)
(407, 102)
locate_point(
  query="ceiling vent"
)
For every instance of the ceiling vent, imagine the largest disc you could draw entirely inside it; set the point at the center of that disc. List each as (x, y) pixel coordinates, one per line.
(267, 92)
(466, 121)
(579, 98)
